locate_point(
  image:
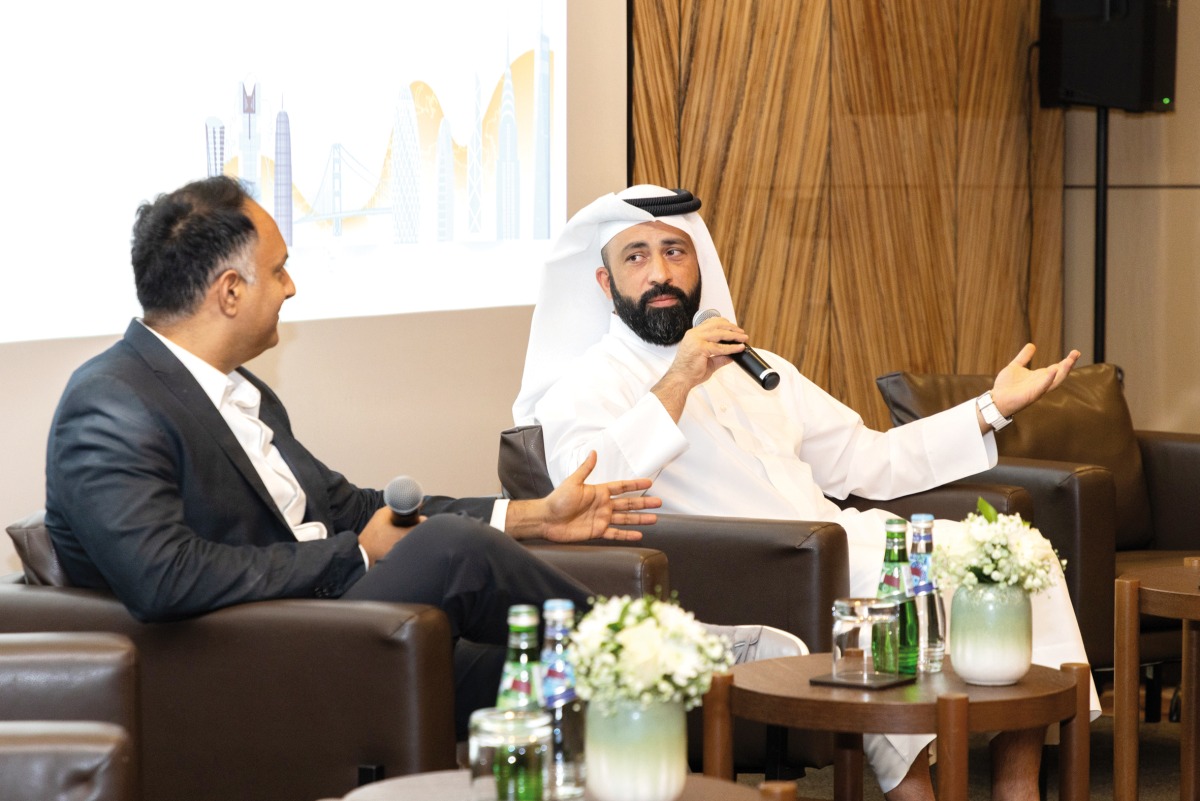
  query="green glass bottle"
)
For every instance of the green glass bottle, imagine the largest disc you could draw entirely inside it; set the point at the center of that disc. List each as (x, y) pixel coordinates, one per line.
(521, 682)
(520, 769)
(895, 581)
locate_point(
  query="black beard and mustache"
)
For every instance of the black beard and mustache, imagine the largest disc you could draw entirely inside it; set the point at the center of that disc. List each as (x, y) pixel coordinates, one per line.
(658, 326)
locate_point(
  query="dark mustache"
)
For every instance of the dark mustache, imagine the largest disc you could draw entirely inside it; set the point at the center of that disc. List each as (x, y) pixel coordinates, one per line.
(659, 291)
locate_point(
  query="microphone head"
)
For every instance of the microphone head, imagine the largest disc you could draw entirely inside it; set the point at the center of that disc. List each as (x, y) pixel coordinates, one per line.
(403, 495)
(704, 314)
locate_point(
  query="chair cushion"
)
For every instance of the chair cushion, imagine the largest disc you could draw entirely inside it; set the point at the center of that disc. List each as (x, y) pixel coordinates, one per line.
(1085, 420)
(522, 465)
(38, 558)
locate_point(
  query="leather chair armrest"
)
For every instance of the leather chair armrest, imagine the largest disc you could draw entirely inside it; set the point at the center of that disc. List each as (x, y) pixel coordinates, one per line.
(609, 571)
(69, 676)
(735, 570)
(1170, 463)
(1074, 507)
(66, 759)
(248, 688)
(952, 501)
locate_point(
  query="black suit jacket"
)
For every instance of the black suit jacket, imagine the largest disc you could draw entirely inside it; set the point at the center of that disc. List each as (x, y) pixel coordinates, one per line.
(149, 494)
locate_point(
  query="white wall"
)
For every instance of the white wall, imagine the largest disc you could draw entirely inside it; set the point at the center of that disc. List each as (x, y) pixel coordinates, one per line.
(1153, 249)
(423, 394)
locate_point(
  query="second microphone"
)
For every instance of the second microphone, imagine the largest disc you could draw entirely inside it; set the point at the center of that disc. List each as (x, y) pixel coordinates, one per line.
(754, 365)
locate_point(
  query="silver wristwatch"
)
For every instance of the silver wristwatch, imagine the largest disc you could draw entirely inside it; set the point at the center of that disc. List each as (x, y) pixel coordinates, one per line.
(991, 415)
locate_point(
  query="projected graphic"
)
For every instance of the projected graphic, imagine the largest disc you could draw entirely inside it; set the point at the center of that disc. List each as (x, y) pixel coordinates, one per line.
(423, 175)
(413, 155)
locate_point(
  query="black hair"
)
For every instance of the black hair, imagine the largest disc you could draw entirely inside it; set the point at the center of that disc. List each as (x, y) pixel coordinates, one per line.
(184, 240)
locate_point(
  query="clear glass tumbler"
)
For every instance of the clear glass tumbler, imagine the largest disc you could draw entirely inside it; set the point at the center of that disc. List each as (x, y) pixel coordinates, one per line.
(510, 752)
(866, 639)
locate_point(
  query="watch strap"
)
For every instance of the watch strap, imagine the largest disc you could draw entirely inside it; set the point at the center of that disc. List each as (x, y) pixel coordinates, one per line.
(991, 415)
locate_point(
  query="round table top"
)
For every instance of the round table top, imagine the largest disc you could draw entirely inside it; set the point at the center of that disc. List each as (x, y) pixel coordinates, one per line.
(777, 691)
(1172, 591)
(454, 785)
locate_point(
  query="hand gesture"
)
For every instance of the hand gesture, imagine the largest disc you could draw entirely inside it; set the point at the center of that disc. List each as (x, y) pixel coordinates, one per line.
(1017, 386)
(703, 349)
(576, 511)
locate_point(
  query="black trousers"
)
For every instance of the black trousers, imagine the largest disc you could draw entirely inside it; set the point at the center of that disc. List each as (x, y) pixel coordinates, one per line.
(474, 573)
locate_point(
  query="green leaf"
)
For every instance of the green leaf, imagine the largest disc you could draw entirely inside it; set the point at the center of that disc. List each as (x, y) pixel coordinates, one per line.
(986, 510)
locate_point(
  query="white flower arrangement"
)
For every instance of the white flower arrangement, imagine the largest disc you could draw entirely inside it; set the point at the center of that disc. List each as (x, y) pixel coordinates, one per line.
(644, 650)
(996, 549)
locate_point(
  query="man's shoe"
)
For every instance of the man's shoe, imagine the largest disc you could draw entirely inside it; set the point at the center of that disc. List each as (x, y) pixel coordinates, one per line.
(752, 643)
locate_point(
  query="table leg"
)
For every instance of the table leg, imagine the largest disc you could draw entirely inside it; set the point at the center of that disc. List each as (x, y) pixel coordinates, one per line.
(952, 747)
(1075, 739)
(848, 767)
(718, 728)
(1126, 628)
(1188, 732)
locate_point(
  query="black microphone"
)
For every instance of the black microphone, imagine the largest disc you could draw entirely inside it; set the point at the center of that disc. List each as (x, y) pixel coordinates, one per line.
(404, 496)
(754, 365)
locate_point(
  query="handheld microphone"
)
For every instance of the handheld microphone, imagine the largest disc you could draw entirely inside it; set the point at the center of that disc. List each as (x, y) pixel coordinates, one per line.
(754, 365)
(404, 497)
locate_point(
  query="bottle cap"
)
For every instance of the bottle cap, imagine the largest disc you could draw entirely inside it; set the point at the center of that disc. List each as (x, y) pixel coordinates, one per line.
(523, 616)
(922, 517)
(558, 605)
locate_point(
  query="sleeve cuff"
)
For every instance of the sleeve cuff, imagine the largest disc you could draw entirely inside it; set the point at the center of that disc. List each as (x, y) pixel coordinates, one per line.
(499, 514)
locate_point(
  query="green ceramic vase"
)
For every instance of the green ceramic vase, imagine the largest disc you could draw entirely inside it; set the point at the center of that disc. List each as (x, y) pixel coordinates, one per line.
(636, 753)
(991, 634)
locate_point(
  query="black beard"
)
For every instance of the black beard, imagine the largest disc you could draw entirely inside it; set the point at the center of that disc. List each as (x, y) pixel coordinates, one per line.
(664, 326)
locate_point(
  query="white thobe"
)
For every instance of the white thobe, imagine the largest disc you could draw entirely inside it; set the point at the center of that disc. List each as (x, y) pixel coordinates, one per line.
(739, 450)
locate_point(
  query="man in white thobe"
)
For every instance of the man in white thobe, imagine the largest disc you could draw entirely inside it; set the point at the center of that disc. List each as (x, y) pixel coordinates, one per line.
(615, 365)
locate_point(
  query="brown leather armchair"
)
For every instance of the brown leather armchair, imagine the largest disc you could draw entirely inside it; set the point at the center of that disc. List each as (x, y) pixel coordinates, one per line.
(68, 717)
(289, 699)
(733, 570)
(1108, 497)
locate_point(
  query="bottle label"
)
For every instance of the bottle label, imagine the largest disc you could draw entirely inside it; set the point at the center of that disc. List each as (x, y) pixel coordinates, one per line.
(559, 684)
(922, 577)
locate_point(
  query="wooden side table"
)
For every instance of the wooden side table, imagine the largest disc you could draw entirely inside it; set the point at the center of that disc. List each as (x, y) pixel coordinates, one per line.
(453, 785)
(1165, 592)
(778, 692)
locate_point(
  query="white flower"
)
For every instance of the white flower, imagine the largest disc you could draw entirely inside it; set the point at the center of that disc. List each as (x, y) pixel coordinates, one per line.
(644, 650)
(997, 549)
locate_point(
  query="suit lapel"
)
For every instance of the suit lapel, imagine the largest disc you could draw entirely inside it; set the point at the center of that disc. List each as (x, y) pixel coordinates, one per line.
(176, 378)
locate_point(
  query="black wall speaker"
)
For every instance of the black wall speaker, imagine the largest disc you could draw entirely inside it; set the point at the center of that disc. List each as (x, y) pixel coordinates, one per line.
(1113, 53)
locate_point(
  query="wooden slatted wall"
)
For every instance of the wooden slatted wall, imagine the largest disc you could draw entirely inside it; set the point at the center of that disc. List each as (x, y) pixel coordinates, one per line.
(883, 190)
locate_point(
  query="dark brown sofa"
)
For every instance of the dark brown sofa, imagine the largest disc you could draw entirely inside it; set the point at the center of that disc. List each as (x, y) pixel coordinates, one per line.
(69, 717)
(292, 699)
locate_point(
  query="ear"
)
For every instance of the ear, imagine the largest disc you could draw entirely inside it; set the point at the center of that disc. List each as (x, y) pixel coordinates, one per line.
(604, 279)
(227, 291)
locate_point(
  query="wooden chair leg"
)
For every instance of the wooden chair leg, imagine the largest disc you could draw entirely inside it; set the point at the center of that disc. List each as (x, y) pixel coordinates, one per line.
(718, 728)
(1125, 690)
(1075, 739)
(952, 747)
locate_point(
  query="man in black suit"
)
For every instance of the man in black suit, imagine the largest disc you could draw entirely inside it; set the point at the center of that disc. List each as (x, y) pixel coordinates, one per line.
(173, 478)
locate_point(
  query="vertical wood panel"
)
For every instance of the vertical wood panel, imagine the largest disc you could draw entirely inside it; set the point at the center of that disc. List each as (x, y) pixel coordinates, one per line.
(994, 227)
(656, 92)
(1047, 171)
(893, 155)
(754, 132)
(867, 169)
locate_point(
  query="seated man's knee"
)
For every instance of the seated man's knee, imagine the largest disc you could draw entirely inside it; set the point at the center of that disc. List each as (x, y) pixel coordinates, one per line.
(455, 533)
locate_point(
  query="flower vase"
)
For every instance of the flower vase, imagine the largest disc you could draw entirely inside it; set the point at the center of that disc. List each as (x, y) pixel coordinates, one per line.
(991, 634)
(635, 752)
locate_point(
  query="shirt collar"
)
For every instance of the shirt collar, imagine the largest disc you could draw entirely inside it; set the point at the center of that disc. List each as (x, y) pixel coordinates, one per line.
(216, 385)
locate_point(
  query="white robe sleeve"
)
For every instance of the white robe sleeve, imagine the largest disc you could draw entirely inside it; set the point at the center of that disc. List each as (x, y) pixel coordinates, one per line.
(849, 458)
(627, 426)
